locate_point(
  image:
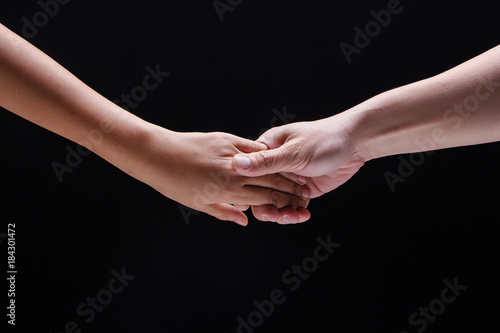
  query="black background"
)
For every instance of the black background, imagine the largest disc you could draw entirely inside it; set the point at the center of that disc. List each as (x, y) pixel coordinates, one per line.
(397, 248)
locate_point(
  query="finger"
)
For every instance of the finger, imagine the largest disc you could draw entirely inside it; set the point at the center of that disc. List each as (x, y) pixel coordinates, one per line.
(271, 213)
(242, 208)
(280, 183)
(301, 180)
(257, 196)
(288, 215)
(304, 214)
(264, 162)
(266, 213)
(274, 137)
(226, 212)
(249, 146)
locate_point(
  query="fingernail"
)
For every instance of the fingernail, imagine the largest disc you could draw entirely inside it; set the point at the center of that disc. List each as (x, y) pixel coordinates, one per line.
(306, 193)
(302, 180)
(302, 203)
(265, 217)
(286, 219)
(241, 222)
(243, 162)
(302, 219)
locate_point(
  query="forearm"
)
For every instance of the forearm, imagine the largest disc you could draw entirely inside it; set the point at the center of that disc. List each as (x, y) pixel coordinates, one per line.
(37, 88)
(458, 107)
(191, 168)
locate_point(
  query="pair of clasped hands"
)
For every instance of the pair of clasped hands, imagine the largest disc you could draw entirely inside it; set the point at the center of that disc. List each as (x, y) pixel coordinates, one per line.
(216, 173)
(223, 175)
(276, 175)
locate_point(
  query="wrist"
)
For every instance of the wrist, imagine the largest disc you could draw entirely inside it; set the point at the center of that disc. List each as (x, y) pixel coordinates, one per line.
(125, 140)
(359, 134)
(378, 128)
(364, 131)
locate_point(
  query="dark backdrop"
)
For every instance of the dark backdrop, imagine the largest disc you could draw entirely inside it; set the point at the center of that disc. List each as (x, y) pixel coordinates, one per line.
(198, 274)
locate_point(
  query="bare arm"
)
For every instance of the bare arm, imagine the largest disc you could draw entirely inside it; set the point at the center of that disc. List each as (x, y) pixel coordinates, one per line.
(191, 168)
(458, 107)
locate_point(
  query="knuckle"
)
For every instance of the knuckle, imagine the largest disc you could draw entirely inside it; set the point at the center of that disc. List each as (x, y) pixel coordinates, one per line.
(275, 199)
(264, 159)
(225, 216)
(297, 190)
(292, 202)
(281, 221)
(277, 181)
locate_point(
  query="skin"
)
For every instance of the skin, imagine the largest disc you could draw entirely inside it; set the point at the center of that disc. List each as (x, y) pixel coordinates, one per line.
(194, 169)
(458, 107)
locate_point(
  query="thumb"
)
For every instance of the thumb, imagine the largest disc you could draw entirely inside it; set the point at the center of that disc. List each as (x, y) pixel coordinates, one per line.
(262, 162)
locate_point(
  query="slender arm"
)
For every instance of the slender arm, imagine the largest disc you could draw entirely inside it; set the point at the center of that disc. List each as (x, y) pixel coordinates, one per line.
(456, 108)
(191, 168)
(35, 87)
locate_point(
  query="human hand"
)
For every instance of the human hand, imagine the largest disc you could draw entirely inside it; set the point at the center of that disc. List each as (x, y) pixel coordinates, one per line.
(321, 150)
(196, 170)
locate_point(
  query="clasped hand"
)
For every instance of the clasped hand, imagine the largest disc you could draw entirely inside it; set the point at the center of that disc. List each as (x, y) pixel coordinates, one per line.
(223, 175)
(195, 169)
